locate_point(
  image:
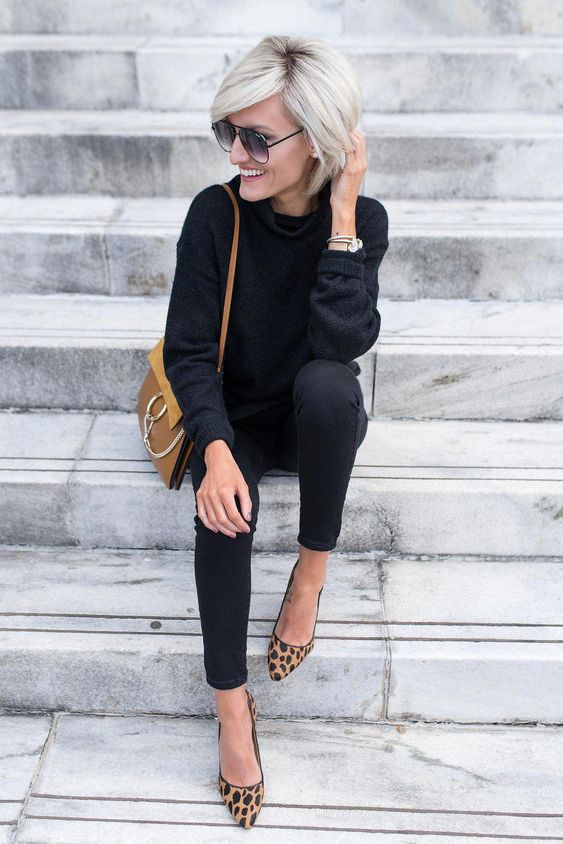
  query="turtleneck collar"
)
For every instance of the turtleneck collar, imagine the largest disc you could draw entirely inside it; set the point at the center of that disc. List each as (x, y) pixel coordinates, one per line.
(264, 210)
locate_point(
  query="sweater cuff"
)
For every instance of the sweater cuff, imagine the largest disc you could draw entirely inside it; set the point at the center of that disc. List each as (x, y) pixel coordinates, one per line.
(211, 428)
(342, 262)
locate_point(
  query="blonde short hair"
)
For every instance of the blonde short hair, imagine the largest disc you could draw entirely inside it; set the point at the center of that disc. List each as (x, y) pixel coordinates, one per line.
(319, 89)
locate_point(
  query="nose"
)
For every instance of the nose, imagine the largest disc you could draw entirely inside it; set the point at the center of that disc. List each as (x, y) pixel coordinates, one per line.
(238, 155)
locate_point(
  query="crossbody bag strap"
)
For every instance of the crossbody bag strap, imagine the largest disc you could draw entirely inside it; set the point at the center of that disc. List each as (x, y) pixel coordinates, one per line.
(230, 279)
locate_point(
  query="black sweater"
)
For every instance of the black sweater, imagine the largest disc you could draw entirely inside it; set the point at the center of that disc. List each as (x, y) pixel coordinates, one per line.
(293, 300)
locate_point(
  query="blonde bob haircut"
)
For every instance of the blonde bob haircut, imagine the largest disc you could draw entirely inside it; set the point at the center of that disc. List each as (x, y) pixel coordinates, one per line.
(319, 90)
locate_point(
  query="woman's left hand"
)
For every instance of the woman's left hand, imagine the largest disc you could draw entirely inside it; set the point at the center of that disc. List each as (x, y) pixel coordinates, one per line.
(345, 187)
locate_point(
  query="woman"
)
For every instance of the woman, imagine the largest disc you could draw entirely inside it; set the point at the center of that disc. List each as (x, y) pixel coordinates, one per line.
(304, 307)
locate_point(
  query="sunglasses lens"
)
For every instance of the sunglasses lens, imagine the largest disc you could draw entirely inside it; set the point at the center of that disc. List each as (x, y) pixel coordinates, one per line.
(225, 134)
(253, 143)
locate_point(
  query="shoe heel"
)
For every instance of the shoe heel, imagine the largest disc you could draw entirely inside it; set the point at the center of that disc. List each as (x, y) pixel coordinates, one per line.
(284, 658)
(244, 802)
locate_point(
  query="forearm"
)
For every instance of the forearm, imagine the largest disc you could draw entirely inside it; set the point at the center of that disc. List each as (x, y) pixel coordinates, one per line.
(343, 222)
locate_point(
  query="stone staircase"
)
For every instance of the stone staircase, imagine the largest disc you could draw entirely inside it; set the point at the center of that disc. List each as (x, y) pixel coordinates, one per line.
(432, 704)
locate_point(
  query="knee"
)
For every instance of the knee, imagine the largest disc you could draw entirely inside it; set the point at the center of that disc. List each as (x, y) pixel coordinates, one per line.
(326, 385)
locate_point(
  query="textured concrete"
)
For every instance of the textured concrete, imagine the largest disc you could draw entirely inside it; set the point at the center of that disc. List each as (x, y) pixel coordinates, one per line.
(100, 244)
(435, 358)
(22, 742)
(153, 780)
(119, 631)
(324, 18)
(441, 486)
(115, 72)
(429, 155)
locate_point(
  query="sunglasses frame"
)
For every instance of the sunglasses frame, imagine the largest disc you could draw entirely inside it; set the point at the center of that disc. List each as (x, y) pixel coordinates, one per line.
(253, 132)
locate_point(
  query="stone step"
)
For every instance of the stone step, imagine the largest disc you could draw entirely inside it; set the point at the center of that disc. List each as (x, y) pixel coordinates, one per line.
(417, 487)
(153, 780)
(486, 249)
(299, 17)
(481, 155)
(436, 358)
(396, 638)
(113, 72)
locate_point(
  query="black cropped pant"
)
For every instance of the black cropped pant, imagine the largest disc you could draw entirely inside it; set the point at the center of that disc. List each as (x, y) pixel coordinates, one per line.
(317, 435)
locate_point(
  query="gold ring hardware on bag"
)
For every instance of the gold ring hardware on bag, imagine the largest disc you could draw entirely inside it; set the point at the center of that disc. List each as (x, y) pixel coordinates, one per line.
(150, 419)
(172, 449)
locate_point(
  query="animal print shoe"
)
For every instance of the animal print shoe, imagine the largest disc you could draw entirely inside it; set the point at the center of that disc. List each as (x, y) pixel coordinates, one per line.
(244, 801)
(282, 657)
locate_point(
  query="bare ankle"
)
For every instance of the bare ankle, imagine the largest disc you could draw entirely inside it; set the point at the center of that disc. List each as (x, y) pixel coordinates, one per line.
(231, 703)
(312, 567)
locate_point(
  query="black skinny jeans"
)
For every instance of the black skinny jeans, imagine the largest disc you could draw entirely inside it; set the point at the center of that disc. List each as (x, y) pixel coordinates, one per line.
(316, 436)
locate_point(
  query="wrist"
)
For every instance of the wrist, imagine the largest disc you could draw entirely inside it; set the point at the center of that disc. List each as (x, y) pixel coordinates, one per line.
(214, 449)
(343, 223)
(343, 214)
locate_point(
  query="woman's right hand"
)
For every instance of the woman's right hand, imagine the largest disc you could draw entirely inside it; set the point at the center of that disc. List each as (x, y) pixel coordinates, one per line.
(216, 505)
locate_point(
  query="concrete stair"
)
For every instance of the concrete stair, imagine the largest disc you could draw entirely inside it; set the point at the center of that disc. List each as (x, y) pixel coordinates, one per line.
(70, 71)
(435, 358)
(353, 18)
(418, 486)
(431, 703)
(488, 249)
(398, 636)
(149, 780)
(495, 155)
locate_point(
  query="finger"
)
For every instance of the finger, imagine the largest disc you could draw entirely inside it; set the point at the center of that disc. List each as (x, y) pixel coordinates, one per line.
(233, 518)
(214, 513)
(223, 522)
(204, 516)
(234, 515)
(245, 502)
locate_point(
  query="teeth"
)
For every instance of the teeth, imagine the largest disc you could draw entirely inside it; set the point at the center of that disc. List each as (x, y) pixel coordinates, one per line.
(252, 172)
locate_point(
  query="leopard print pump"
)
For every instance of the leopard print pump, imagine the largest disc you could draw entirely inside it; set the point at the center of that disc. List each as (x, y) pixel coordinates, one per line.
(244, 801)
(282, 657)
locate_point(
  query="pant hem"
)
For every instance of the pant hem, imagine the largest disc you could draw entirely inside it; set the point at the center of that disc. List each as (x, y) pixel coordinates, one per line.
(228, 684)
(315, 546)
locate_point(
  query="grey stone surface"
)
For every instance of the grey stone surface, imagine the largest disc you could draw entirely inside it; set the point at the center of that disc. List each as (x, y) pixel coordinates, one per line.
(153, 779)
(90, 244)
(429, 155)
(119, 631)
(22, 743)
(441, 486)
(435, 358)
(113, 72)
(176, 17)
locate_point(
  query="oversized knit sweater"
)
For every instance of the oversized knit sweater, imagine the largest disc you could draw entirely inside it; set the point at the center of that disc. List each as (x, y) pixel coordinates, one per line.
(294, 300)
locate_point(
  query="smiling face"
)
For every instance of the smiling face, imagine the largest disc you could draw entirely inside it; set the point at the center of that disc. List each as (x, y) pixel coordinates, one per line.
(289, 163)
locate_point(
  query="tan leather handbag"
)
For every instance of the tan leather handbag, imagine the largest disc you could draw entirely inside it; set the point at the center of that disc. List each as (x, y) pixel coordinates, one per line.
(160, 417)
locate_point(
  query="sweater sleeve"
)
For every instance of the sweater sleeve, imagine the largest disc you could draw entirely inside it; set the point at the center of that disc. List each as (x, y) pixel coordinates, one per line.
(193, 324)
(344, 320)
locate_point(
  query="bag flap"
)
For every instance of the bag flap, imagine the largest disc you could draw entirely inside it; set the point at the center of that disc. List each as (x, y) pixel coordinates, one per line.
(156, 361)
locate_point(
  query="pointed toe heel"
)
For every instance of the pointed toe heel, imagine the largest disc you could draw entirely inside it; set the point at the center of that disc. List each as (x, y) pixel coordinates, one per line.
(284, 658)
(244, 802)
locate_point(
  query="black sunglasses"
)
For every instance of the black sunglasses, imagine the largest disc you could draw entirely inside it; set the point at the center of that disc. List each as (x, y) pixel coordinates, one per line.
(254, 143)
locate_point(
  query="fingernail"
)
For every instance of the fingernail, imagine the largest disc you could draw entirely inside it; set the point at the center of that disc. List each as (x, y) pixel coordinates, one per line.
(247, 515)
